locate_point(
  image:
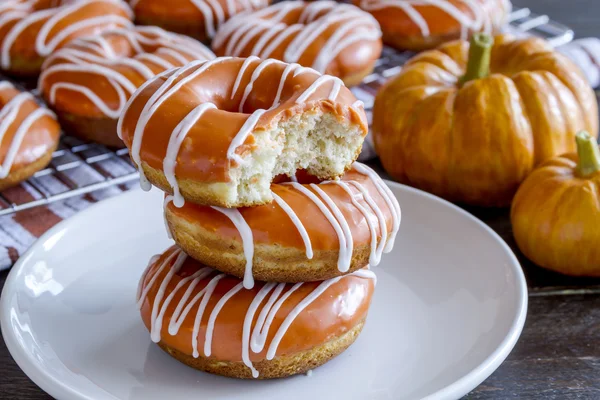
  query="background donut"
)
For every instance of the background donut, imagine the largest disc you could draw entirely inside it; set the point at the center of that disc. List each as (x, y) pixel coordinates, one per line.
(419, 25)
(197, 18)
(29, 135)
(335, 39)
(88, 82)
(32, 30)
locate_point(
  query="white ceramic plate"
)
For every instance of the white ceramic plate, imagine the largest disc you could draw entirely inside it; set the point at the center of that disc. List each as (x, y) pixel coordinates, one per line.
(449, 306)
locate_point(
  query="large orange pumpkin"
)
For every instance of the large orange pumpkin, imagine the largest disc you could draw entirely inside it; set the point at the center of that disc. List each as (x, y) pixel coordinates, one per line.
(472, 133)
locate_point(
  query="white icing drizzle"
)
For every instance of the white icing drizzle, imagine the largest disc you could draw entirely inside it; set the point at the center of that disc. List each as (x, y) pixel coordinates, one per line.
(301, 229)
(51, 18)
(375, 211)
(242, 135)
(168, 199)
(335, 90)
(134, 96)
(360, 198)
(95, 55)
(254, 338)
(8, 117)
(284, 75)
(166, 90)
(352, 26)
(178, 136)
(255, 75)
(389, 198)
(214, 13)
(240, 74)
(479, 19)
(343, 234)
(323, 286)
(247, 240)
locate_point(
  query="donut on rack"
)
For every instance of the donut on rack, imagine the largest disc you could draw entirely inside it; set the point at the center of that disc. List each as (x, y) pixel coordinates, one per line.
(419, 25)
(209, 321)
(310, 232)
(197, 18)
(29, 135)
(335, 39)
(88, 81)
(217, 132)
(31, 30)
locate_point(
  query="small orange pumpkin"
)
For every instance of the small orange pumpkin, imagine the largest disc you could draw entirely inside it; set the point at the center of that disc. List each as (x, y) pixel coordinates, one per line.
(470, 122)
(556, 212)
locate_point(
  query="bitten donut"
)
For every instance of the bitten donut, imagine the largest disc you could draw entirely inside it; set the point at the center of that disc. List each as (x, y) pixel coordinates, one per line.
(31, 30)
(29, 135)
(310, 232)
(335, 39)
(88, 82)
(208, 321)
(197, 18)
(217, 132)
(419, 25)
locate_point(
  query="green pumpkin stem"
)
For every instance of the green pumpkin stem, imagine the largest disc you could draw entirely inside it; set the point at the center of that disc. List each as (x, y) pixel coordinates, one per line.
(589, 155)
(480, 51)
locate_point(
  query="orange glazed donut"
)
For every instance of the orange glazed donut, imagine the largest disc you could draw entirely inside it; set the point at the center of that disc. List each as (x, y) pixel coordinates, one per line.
(335, 39)
(419, 25)
(31, 30)
(310, 232)
(196, 18)
(88, 81)
(217, 132)
(28, 135)
(209, 321)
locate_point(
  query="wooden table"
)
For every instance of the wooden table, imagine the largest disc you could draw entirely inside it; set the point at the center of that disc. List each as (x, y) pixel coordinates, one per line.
(558, 354)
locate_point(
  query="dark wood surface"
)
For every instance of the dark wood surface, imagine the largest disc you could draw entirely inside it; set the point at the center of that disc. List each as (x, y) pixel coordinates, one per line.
(558, 354)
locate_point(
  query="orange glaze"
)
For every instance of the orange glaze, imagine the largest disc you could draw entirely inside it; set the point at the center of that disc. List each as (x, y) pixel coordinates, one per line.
(271, 225)
(176, 13)
(40, 138)
(26, 19)
(96, 63)
(337, 310)
(285, 22)
(203, 153)
(440, 23)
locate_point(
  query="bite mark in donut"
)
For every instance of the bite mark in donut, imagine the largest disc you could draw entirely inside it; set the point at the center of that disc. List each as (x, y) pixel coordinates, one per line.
(310, 232)
(198, 313)
(269, 118)
(337, 39)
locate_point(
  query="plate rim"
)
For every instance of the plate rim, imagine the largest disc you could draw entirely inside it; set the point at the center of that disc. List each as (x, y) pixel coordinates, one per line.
(469, 381)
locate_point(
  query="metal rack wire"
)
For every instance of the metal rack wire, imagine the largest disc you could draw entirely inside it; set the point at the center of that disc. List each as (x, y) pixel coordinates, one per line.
(79, 168)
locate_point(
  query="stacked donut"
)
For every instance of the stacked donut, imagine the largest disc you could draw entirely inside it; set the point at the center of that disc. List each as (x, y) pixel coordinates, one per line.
(275, 225)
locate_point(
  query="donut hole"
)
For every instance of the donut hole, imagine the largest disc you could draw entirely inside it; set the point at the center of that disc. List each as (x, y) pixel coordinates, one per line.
(315, 142)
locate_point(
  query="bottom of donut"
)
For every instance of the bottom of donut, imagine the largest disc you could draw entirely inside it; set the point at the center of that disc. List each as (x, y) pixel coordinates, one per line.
(279, 367)
(101, 130)
(20, 173)
(272, 263)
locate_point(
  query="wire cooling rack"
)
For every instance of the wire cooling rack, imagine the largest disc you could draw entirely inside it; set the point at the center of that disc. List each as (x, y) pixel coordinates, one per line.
(78, 168)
